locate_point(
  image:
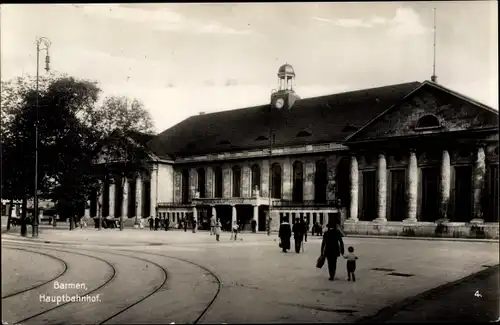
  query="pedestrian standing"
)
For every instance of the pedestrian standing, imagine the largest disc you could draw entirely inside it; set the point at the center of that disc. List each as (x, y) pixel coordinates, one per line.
(298, 235)
(167, 224)
(285, 233)
(254, 226)
(157, 223)
(305, 229)
(184, 221)
(351, 263)
(332, 247)
(217, 229)
(151, 221)
(234, 232)
(193, 221)
(212, 225)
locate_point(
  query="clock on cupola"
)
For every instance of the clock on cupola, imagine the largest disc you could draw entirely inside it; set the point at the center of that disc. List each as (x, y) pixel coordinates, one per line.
(285, 96)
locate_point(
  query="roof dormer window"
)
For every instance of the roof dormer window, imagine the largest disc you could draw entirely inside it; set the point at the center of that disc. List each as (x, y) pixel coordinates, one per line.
(428, 122)
(303, 134)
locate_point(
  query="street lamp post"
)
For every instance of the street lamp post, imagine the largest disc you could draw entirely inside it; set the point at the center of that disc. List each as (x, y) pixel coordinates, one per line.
(42, 44)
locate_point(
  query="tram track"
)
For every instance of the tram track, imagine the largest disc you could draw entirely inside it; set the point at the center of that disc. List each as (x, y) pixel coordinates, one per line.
(65, 269)
(198, 318)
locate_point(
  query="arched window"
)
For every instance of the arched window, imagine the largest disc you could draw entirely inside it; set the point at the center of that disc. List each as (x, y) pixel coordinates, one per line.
(218, 182)
(276, 181)
(201, 182)
(320, 181)
(236, 181)
(298, 182)
(428, 121)
(255, 177)
(185, 186)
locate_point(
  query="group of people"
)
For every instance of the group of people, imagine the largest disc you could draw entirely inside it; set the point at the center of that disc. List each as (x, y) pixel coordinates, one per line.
(332, 245)
(216, 228)
(158, 223)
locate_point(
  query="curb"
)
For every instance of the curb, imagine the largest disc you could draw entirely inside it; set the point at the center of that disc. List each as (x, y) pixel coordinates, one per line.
(384, 314)
(449, 239)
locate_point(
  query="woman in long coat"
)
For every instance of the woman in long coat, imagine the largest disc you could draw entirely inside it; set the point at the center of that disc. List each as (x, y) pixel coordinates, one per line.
(285, 233)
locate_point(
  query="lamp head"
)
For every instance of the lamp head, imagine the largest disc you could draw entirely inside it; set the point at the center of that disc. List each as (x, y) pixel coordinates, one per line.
(47, 62)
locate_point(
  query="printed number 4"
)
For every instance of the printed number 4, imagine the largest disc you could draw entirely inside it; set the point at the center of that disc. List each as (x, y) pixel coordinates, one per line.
(477, 294)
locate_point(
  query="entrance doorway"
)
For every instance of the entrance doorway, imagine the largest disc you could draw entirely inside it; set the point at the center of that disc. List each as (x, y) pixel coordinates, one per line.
(262, 218)
(224, 214)
(430, 194)
(398, 197)
(369, 211)
(463, 193)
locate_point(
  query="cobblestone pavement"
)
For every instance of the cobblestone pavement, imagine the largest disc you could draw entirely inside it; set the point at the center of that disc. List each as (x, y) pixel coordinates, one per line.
(175, 276)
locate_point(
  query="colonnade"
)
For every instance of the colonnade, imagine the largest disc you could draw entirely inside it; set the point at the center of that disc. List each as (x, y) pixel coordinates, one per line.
(412, 182)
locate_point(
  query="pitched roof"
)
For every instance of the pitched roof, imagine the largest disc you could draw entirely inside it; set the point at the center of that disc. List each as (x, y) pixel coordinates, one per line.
(478, 115)
(326, 118)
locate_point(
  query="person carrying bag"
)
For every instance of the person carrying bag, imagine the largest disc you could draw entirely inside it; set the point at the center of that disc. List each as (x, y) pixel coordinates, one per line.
(321, 259)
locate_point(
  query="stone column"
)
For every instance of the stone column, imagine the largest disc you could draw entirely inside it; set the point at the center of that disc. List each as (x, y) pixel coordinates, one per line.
(87, 209)
(234, 216)
(445, 183)
(226, 182)
(256, 216)
(195, 217)
(154, 188)
(209, 182)
(138, 196)
(265, 178)
(479, 176)
(246, 182)
(286, 180)
(100, 199)
(412, 187)
(214, 211)
(309, 180)
(381, 188)
(125, 198)
(354, 182)
(112, 200)
(193, 182)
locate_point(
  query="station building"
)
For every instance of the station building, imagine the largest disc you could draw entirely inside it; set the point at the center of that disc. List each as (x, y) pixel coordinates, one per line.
(413, 158)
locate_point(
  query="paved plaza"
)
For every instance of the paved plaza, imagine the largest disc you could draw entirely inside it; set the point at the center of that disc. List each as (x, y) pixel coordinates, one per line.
(142, 276)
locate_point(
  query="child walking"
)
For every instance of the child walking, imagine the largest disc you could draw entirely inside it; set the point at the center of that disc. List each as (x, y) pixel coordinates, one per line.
(351, 263)
(234, 231)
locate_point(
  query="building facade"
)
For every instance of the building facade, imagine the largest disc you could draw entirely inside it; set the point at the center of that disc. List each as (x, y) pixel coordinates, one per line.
(406, 159)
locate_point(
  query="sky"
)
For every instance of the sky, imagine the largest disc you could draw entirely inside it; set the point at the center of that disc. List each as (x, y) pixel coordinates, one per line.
(182, 59)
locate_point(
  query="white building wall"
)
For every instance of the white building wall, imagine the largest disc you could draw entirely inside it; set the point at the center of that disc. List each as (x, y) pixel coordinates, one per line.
(165, 183)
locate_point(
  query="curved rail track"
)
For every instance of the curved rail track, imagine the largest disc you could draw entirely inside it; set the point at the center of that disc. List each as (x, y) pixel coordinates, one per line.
(65, 269)
(197, 320)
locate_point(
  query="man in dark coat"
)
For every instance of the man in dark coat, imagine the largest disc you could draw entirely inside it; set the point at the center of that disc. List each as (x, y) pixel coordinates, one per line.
(285, 232)
(332, 247)
(185, 222)
(151, 221)
(305, 228)
(157, 223)
(298, 235)
(254, 226)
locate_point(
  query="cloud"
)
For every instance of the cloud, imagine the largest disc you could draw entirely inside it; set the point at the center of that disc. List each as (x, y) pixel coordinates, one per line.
(406, 22)
(161, 19)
